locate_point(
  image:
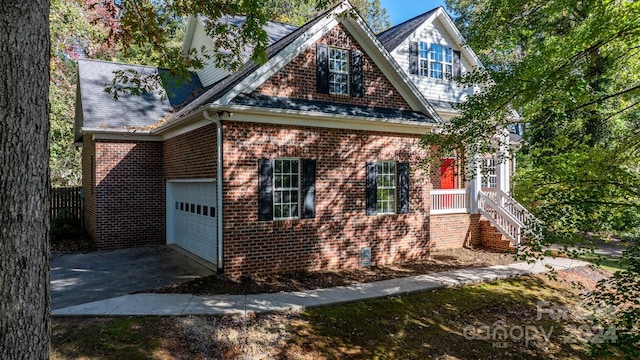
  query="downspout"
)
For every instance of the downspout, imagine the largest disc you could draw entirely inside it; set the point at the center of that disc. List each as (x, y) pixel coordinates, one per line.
(205, 113)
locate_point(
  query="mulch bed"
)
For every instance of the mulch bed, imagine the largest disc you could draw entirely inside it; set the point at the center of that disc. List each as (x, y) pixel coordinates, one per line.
(439, 261)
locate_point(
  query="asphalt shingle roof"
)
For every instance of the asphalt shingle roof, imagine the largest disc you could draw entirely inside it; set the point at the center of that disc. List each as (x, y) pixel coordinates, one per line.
(101, 110)
(392, 37)
(264, 101)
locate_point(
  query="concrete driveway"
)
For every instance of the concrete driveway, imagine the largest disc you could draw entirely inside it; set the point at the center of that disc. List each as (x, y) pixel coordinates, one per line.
(82, 278)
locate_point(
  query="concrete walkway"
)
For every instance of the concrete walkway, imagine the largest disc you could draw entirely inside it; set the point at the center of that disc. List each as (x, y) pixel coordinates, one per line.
(185, 304)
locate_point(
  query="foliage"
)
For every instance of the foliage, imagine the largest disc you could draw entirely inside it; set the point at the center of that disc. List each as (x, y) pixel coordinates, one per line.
(572, 70)
(65, 224)
(622, 294)
(298, 12)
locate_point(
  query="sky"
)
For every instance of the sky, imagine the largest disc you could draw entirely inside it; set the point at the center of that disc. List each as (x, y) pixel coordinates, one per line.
(401, 10)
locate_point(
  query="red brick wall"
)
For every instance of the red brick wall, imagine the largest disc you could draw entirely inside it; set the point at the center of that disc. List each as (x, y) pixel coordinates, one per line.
(333, 239)
(492, 238)
(191, 155)
(130, 194)
(298, 78)
(454, 231)
(88, 185)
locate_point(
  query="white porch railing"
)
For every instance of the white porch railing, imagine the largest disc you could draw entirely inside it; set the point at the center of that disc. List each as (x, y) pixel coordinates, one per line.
(507, 224)
(450, 201)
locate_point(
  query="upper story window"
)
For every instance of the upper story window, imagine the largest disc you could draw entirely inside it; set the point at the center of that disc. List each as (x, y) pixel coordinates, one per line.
(424, 59)
(338, 71)
(440, 62)
(433, 60)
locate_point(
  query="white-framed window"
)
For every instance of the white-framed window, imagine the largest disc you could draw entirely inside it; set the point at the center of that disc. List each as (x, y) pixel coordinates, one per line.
(386, 187)
(488, 173)
(338, 71)
(286, 189)
(436, 61)
(424, 59)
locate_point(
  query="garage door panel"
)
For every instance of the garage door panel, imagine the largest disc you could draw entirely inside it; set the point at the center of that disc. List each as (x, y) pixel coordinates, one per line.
(194, 230)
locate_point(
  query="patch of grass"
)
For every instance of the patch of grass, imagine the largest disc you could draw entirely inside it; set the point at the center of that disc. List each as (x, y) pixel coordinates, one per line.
(106, 338)
(443, 324)
(609, 263)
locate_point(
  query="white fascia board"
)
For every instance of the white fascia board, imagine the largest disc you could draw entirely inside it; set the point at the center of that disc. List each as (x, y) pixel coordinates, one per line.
(284, 57)
(188, 37)
(388, 65)
(197, 121)
(452, 29)
(120, 134)
(322, 120)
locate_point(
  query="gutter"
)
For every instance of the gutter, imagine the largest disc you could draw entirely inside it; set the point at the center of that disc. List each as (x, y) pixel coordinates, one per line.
(116, 131)
(219, 184)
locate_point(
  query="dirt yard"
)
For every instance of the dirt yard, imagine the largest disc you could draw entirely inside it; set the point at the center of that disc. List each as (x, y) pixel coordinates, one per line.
(439, 261)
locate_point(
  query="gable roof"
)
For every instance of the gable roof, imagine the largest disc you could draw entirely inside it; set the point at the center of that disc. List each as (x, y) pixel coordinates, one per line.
(274, 30)
(226, 84)
(392, 37)
(284, 50)
(144, 113)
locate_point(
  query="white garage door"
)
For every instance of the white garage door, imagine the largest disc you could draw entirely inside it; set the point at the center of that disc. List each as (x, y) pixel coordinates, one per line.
(191, 217)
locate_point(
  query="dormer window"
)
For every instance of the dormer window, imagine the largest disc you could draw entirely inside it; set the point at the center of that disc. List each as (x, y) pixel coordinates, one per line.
(435, 61)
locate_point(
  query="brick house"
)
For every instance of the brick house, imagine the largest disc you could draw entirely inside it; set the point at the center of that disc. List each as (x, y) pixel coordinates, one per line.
(309, 161)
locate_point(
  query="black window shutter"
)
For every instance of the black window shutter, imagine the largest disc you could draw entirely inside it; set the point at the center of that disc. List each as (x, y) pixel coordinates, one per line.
(413, 58)
(403, 187)
(308, 189)
(372, 189)
(357, 89)
(265, 189)
(457, 71)
(322, 65)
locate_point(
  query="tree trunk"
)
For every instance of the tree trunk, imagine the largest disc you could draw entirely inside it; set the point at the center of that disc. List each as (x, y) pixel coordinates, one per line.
(24, 180)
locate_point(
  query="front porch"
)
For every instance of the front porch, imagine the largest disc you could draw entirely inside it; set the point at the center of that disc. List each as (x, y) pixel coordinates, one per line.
(482, 213)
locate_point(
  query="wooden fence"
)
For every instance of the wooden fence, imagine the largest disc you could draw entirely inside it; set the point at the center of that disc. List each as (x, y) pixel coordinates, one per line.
(69, 199)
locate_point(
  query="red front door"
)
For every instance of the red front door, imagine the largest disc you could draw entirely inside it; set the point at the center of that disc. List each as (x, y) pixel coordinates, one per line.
(447, 174)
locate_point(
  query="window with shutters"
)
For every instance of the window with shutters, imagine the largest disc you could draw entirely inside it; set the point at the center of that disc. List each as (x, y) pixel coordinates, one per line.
(286, 189)
(338, 71)
(436, 61)
(386, 187)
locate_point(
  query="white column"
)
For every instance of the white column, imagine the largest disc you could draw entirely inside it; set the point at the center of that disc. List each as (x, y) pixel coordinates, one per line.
(475, 184)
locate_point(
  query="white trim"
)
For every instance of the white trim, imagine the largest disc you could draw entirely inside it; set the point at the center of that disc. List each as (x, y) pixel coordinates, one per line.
(186, 128)
(188, 37)
(119, 136)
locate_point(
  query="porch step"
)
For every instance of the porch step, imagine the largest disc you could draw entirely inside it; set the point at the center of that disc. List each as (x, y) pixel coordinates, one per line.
(492, 239)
